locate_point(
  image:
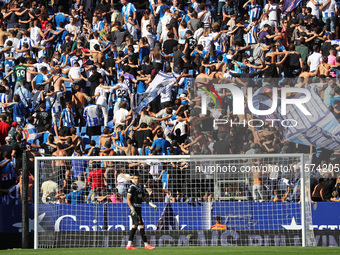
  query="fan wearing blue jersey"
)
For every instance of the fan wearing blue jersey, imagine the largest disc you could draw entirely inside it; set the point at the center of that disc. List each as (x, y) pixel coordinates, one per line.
(8, 171)
(128, 9)
(92, 115)
(67, 118)
(40, 79)
(251, 31)
(60, 16)
(161, 142)
(4, 100)
(54, 98)
(26, 39)
(254, 9)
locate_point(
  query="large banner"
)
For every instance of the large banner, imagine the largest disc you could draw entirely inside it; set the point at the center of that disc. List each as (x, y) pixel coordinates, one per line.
(321, 129)
(156, 87)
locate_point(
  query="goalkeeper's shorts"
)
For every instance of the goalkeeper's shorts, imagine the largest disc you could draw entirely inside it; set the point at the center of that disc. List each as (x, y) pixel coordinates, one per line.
(137, 218)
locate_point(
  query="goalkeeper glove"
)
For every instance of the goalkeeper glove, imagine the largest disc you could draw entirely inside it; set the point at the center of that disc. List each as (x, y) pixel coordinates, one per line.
(153, 206)
(133, 211)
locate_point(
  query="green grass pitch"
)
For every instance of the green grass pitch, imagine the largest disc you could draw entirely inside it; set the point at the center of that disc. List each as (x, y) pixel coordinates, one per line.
(182, 250)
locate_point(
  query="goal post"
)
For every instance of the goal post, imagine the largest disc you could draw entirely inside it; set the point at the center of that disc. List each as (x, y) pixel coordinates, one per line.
(203, 200)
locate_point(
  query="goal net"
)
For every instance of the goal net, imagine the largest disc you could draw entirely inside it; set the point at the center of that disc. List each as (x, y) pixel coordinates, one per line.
(215, 200)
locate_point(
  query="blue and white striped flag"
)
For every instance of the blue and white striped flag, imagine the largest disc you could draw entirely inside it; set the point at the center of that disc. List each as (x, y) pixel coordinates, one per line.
(321, 129)
(156, 87)
(289, 5)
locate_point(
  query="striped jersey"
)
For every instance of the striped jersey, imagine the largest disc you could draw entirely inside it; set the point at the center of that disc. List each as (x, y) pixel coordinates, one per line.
(27, 40)
(254, 11)
(128, 10)
(55, 102)
(98, 27)
(3, 99)
(329, 10)
(7, 171)
(92, 113)
(68, 119)
(14, 195)
(251, 39)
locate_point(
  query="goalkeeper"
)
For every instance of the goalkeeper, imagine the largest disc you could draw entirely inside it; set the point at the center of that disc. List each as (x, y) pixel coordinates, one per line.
(135, 196)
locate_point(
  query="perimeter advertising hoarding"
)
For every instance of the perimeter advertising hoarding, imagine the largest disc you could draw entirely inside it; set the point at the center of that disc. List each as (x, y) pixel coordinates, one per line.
(325, 217)
(326, 220)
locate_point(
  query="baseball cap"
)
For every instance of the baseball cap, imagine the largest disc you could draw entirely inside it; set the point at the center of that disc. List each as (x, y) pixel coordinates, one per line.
(15, 124)
(8, 139)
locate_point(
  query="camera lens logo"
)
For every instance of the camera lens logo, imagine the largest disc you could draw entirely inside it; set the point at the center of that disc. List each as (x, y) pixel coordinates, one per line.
(211, 95)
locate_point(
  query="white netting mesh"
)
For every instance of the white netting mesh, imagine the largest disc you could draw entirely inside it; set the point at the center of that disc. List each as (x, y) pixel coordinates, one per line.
(251, 199)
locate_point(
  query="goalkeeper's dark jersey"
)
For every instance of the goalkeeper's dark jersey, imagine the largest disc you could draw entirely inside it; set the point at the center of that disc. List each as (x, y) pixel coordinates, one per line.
(137, 193)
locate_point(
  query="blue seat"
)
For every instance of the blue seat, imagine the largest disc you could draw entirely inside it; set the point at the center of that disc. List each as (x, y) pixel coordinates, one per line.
(110, 124)
(83, 131)
(67, 84)
(96, 138)
(86, 140)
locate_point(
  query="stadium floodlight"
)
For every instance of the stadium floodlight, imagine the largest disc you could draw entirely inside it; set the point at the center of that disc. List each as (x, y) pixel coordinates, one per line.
(248, 200)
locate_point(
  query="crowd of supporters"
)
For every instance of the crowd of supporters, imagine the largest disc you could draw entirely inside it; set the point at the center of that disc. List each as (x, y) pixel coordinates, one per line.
(71, 73)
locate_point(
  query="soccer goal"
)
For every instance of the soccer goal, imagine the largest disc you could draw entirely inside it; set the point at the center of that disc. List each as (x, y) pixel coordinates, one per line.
(206, 200)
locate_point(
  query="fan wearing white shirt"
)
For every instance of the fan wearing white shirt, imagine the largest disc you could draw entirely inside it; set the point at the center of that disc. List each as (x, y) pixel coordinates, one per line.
(165, 20)
(133, 28)
(204, 15)
(315, 59)
(315, 8)
(15, 42)
(35, 33)
(194, 5)
(71, 27)
(77, 22)
(271, 9)
(150, 36)
(122, 115)
(74, 71)
(44, 62)
(164, 35)
(94, 41)
(100, 94)
(328, 8)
